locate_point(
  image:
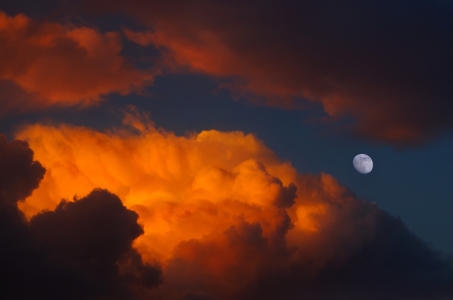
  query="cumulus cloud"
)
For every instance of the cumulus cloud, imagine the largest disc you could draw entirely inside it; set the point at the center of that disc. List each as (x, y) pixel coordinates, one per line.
(19, 173)
(89, 242)
(384, 63)
(227, 219)
(44, 64)
(19, 176)
(80, 250)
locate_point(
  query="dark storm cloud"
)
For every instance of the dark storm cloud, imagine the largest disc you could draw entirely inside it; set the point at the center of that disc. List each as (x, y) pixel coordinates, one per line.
(19, 174)
(392, 264)
(395, 265)
(82, 250)
(90, 245)
(388, 64)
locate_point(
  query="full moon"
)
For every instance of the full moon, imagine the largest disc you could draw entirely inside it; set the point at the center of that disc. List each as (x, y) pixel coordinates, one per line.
(362, 163)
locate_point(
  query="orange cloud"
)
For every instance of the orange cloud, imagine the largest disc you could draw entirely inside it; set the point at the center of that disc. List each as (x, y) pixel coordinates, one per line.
(359, 60)
(207, 52)
(178, 185)
(221, 212)
(272, 77)
(62, 65)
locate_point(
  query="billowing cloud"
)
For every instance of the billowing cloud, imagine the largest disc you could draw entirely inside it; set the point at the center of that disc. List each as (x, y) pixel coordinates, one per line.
(19, 176)
(226, 219)
(19, 173)
(44, 64)
(81, 250)
(89, 242)
(385, 63)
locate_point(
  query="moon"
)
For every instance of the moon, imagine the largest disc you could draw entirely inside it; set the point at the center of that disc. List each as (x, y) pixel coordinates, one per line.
(362, 163)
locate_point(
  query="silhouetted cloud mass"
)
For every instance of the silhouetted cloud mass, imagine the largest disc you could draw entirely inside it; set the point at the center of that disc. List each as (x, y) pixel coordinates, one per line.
(81, 250)
(19, 174)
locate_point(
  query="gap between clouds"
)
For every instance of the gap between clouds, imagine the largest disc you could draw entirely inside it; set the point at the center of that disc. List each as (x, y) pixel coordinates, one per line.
(387, 64)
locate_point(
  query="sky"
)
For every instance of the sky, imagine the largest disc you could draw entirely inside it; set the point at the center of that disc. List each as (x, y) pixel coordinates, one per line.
(202, 150)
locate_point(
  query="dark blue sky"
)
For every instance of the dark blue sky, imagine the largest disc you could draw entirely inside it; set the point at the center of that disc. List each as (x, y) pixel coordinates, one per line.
(317, 81)
(415, 183)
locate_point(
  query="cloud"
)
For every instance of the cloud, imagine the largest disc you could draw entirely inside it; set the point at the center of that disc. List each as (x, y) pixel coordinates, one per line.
(226, 219)
(89, 242)
(44, 64)
(19, 174)
(81, 249)
(386, 64)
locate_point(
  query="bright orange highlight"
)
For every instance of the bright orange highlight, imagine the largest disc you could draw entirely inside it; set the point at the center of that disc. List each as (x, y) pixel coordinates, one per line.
(216, 206)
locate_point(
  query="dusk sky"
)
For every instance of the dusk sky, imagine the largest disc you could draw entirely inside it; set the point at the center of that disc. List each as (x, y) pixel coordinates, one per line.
(202, 150)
